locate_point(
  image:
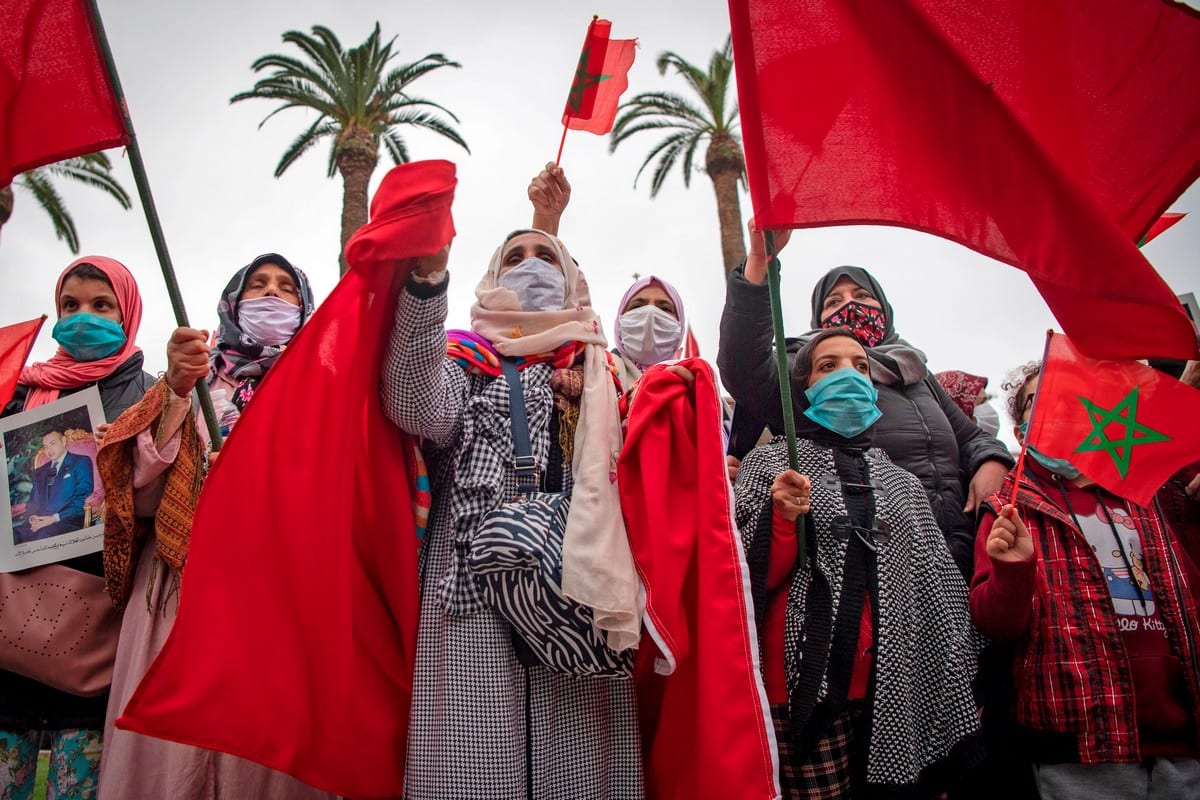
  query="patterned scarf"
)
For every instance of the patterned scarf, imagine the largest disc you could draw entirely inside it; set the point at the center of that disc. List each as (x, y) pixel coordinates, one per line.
(125, 533)
(236, 354)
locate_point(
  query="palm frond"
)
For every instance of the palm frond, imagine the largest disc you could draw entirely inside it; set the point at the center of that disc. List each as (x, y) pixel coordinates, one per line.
(43, 191)
(300, 145)
(396, 148)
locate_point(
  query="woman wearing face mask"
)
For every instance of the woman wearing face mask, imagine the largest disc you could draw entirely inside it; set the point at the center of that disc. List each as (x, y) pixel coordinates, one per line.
(867, 649)
(921, 428)
(1101, 605)
(969, 393)
(482, 725)
(649, 329)
(152, 466)
(99, 311)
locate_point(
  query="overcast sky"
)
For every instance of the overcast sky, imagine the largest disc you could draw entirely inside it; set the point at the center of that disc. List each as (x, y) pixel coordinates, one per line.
(211, 172)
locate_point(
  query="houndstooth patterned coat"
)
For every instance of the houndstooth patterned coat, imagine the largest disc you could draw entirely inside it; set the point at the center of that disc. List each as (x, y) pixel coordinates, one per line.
(472, 700)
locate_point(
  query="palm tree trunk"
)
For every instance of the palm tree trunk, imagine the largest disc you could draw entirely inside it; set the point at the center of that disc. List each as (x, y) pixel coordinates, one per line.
(356, 159)
(6, 204)
(724, 163)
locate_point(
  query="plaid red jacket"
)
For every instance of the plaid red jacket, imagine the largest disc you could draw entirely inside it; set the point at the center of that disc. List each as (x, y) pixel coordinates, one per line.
(1071, 669)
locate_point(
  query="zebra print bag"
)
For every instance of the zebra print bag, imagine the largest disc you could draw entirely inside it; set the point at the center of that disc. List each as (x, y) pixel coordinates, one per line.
(516, 558)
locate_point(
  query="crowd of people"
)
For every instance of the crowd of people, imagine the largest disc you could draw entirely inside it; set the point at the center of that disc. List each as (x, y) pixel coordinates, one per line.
(932, 622)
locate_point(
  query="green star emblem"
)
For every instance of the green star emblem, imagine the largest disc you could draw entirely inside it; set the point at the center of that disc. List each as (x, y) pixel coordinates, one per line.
(584, 80)
(1124, 413)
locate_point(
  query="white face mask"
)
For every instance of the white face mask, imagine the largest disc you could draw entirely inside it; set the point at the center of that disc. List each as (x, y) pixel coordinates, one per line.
(649, 334)
(268, 320)
(987, 418)
(539, 285)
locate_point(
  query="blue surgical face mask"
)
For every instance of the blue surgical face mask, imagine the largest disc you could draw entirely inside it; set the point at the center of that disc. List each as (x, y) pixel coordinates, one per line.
(539, 285)
(843, 402)
(88, 337)
(1059, 466)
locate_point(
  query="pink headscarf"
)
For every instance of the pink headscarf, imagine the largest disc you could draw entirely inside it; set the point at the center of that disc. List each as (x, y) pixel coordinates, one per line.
(638, 285)
(62, 371)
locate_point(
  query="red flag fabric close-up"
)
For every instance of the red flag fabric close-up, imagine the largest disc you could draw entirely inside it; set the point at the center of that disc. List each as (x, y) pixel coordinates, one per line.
(600, 78)
(1047, 134)
(295, 640)
(1160, 225)
(15, 343)
(706, 727)
(56, 101)
(1126, 426)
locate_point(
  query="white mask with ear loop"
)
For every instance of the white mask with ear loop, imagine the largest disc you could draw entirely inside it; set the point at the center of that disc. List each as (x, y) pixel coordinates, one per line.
(538, 284)
(987, 418)
(649, 335)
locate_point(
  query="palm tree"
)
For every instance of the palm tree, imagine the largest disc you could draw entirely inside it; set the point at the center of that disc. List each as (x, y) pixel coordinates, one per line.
(689, 126)
(94, 169)
(359, 103)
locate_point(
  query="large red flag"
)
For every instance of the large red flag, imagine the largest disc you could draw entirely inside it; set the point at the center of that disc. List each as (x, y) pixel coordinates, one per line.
(15, 343)
(55, 98)
(706, 726)
(296, 633)
(600, 78)
(1124, 425)
(1047, 134)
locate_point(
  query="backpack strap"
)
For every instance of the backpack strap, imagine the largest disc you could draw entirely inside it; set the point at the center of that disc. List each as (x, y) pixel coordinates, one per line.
(523, 462)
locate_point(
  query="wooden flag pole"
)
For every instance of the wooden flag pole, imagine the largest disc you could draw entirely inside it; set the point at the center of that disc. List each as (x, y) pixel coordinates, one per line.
(156, 232)
(785, 382)
(1012, 501)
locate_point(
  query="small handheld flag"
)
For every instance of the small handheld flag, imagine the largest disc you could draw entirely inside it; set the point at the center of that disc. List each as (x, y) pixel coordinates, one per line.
(15, 343)
(1126, 426)
(601, 76)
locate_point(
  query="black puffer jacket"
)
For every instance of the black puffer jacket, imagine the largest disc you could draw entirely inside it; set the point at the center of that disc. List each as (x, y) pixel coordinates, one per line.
(921, 429)
(26, 704)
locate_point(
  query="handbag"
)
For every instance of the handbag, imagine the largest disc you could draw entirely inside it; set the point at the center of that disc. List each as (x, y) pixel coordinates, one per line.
(516, 559)
(59, 627)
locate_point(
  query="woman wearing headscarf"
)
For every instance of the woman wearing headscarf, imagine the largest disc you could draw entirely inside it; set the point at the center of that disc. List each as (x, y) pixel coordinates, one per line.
(867, 648)
(153, 465)
(482, 725)
(649, 328)
(99, 311)
(921, 429)
(969, 393)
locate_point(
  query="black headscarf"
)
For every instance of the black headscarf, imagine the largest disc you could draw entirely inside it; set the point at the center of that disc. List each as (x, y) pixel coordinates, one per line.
(236, 354)
(805, 427)
(863, 279)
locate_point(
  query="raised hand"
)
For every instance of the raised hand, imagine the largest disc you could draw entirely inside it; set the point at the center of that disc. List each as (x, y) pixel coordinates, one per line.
(757, 257)
(550, 193)
(1009, 539)
(187, 359)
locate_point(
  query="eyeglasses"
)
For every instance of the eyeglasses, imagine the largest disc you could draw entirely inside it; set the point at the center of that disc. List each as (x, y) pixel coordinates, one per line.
(1027, 403)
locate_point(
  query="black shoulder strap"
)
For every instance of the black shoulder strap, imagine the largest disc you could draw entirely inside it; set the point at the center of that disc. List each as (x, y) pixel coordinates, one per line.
(523, 463)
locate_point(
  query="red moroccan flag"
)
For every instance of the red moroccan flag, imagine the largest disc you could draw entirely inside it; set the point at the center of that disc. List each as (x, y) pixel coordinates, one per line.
(1160, 225)
(15, 343)
(1047, 134)
(600, 79)
(296, 633)
(1124, 425)
(55, 98)
(691, 348)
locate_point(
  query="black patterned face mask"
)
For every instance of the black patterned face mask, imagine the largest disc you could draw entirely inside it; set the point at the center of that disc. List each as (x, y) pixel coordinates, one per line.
(865, 322)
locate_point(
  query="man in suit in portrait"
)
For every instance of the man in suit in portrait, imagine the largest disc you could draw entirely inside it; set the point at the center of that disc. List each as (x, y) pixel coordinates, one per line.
(60, 487)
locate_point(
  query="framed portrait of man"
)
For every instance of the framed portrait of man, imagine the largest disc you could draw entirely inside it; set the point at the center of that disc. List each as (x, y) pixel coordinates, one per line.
(54, 507)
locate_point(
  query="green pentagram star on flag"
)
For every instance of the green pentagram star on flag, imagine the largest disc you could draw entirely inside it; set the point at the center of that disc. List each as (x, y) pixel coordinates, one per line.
(584, 80)
(1098, 414)
(1125, 413)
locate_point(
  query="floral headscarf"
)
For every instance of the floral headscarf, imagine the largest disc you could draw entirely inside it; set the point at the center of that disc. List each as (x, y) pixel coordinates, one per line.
(244, 360)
